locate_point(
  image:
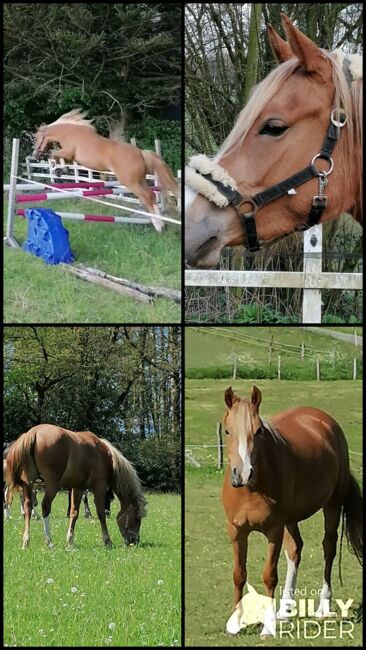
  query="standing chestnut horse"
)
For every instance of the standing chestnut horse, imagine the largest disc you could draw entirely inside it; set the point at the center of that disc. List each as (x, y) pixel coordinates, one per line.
(280, 473)
(292, 160)
(76, 460)
(79, 141)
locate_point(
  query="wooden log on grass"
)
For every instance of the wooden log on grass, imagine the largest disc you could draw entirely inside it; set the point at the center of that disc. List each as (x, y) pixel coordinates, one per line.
(107, 284)
(161, 292)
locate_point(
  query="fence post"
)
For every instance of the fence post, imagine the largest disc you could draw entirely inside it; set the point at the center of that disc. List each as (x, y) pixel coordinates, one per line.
(220, 447)
(312, 298)
(317, 368)
(356, 342)
(279, 366)
(354, 368)
(302, 354)
(234, 365)
(9, 238)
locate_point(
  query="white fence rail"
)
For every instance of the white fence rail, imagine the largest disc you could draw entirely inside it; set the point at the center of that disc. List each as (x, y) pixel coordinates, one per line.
(312, 279)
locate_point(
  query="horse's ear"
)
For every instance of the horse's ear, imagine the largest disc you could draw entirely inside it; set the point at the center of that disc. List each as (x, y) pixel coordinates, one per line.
(229, 397)
(256, 397)
(309, 54)
(280, 48)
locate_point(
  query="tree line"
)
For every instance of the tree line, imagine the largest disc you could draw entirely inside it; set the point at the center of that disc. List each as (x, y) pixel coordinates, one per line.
(123, 383)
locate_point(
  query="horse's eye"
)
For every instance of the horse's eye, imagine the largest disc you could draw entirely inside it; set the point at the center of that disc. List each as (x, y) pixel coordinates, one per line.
(273, 129)
(227, 432)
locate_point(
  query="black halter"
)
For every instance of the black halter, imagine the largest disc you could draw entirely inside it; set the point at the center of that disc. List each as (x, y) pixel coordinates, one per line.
(337, 120)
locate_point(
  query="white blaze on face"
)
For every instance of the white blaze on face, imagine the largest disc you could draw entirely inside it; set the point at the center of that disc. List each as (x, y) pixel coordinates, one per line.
(189, 196)
(245, 458)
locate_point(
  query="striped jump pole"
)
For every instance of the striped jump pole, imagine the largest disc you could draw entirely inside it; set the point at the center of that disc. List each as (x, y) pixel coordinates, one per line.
(102, 218)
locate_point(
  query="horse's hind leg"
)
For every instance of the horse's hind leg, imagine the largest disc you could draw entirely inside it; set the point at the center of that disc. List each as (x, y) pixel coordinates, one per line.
(293, 546)
(146, 196)
(49, 495)
(332, 514)
(74, 513)
(27, 508)
(99, 500)
(87, 513)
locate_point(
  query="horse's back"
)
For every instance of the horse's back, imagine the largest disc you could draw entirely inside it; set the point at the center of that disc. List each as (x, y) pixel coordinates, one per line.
(77, 457)
(307, 426)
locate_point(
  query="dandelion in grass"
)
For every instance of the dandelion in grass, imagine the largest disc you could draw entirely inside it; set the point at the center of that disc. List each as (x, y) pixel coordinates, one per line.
(160, 582)
(108, 639)
(50, 581)
(112, 626)
(74, 589)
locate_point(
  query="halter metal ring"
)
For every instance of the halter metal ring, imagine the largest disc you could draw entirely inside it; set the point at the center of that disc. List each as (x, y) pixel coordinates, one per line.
(247, 199)
(329, 160)
(341, 115)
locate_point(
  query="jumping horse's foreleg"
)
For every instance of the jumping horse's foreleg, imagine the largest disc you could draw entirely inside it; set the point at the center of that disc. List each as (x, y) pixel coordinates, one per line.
(293, 546)
(74, 513)
(332, 514)
(239, 541)
(62, 154)
(27, 507)
(99, 500)
(49, 495)
(270, 578)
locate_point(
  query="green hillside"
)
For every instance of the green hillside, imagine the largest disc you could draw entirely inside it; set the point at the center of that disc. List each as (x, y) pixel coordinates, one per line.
(213, 351)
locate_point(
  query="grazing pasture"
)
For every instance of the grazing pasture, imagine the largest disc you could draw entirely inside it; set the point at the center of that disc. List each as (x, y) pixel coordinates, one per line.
(92, 596)
(208, 564)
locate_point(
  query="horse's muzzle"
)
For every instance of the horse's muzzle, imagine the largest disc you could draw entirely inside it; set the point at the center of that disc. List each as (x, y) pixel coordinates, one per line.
(236, 478)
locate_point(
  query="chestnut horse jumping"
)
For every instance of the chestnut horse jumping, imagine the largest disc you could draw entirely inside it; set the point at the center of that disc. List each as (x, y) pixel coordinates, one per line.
(292, 160)
(280, 473)
(79, 141)
(77, 460)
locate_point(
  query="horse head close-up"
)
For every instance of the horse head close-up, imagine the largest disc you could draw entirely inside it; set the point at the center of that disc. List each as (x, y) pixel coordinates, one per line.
(292, 159)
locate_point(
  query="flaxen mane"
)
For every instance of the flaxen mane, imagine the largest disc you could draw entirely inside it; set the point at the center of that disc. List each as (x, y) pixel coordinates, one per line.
(76, 116)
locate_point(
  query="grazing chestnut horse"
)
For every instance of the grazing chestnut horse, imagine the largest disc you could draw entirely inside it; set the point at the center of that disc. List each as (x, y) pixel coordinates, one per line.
(79, 141)
(292, 160)
(280, 473)
(76, 460)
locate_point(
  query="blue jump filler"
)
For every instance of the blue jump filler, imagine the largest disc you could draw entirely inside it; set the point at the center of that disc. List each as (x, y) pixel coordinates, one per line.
(47, 236)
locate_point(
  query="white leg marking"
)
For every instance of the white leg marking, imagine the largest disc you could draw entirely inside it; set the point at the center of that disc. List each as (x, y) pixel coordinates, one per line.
(324, 604)
(287, 595)
(157, 223)
(26, 540)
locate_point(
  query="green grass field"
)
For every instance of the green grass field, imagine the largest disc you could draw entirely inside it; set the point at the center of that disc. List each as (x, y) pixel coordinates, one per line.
(36, 292)
(93, 596)
(208, 564)
(213, 346)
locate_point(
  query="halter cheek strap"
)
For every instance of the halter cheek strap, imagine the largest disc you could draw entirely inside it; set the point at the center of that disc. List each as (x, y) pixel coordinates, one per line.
(227, 187)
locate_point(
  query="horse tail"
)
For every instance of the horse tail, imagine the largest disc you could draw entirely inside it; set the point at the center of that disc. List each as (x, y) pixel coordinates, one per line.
(18, 459)
(125, 483)
(352, 514)
(156, 164)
